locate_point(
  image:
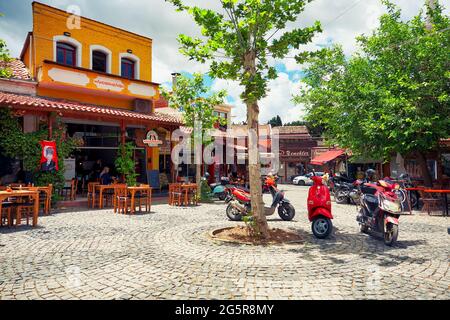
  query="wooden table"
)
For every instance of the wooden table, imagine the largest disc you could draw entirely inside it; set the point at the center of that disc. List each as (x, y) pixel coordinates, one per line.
(186, 188)
(133, 191)
(101, 188)
(444, 194)
(21, 194)
(48, 192)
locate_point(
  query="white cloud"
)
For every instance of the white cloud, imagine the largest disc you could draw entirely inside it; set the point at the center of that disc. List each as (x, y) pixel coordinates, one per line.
(342, 21)
(278, 101)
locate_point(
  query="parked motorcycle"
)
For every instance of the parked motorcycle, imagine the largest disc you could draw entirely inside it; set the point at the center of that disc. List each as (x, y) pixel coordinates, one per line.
(380, 209)
(406, 182)
(265, 187)
(319, 209)
(240, 203)
(220, 190)
(345, 193)
(336, 181)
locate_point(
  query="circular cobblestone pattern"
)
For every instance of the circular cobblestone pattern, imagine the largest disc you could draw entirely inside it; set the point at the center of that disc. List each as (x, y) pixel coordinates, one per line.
(167, 254)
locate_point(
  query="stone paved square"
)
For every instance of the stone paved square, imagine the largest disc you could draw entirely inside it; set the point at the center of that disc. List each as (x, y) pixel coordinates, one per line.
(167, 255)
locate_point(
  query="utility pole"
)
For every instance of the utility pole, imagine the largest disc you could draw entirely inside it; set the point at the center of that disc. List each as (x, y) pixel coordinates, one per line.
(432, 5)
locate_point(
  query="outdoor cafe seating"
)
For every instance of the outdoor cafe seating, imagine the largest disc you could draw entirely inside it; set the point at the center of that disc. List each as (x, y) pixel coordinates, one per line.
(19, 202)
(127, 199)
(183, 194)
(435, 199)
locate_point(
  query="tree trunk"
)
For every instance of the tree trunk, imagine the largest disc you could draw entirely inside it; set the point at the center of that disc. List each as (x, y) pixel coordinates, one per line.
(428, 180)
(253, 156)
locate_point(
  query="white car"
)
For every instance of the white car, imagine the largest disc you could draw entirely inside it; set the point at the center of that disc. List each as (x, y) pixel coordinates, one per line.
(306, 179)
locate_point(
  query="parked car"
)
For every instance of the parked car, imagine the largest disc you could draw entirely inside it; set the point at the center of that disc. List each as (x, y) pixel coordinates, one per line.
(291, 178)
(306, 179)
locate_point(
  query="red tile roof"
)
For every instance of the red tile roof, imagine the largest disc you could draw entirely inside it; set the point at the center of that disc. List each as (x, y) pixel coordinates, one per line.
(18, 69)
(161, 103)
(47, 104)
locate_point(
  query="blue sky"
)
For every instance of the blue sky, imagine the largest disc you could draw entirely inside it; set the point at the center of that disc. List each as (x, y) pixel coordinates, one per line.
(342, 21)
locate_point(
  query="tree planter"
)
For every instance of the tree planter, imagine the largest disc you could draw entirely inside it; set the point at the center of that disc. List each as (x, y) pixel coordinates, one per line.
(240, 235)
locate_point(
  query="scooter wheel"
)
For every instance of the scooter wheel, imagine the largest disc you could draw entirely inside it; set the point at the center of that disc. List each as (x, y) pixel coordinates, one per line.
(233, 214)
(340, 198)
(363, 229)
(222, 196)
(286, 212)
(322, 227)
(391, 234)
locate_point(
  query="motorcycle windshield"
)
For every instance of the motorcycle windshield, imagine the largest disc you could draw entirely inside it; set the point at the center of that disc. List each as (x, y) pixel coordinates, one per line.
(390, 205)
(405, 202)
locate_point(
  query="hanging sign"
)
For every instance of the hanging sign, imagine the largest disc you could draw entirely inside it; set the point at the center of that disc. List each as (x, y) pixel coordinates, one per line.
(152, 139)
(49, 156)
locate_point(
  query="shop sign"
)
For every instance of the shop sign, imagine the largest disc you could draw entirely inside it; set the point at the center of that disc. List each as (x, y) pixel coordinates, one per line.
(152, 139)
(109, 84)
(296, 154)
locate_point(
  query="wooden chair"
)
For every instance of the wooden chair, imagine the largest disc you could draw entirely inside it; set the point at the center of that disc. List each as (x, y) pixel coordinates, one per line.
(6, 213)
(144, 197)
(69, 191)
(90, 193)
(108, 197)
(430, 202)
(46, 199)
(175, 194)
(25, 208)
(121, 199)
(192, 196)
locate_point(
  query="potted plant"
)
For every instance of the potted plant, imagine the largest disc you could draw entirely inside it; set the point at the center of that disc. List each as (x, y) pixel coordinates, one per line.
(125, 164)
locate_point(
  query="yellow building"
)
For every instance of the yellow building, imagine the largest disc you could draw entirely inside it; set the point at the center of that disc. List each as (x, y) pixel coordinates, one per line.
(98, 80)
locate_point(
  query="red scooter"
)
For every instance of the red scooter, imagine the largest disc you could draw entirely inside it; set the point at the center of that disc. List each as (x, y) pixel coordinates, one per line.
(239, 203)
(381, 205)
(319, 209)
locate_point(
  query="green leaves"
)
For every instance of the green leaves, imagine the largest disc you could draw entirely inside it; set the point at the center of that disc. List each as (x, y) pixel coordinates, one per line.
(125, 164)
(243, 28)
(25, 147)
(4, 57)
(194, 99)
(392, 95)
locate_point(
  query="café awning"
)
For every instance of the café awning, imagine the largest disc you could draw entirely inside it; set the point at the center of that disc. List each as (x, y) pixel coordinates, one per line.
(327, 157)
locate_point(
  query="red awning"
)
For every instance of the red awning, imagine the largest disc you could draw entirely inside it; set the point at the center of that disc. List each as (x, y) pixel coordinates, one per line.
(327, 157)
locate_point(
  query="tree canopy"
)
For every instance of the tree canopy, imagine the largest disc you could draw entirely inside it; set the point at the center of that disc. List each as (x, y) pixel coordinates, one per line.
(245, 27)
(195, 100)
(392, 95)
(276, 122)
(239, 41)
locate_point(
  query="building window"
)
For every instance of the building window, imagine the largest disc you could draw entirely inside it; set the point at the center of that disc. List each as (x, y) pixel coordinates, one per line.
(99, 61)
(128, 68)
(66, 54)
(222, 115)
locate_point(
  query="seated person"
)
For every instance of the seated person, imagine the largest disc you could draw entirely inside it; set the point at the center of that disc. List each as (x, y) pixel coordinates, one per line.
(105, 177)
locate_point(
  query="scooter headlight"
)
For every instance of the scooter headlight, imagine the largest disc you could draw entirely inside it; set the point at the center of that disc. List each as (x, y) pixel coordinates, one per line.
(391, 206)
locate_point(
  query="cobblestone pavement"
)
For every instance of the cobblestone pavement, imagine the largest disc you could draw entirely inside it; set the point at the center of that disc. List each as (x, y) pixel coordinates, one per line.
(167, 255)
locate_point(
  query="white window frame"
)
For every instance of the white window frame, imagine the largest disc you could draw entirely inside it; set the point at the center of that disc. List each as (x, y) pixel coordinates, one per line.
(71, 41)
(96, 47)
(137, 64)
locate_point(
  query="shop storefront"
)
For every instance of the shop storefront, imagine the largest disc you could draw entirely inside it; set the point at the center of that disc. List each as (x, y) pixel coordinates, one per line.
(99, 85)
(295, 151)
